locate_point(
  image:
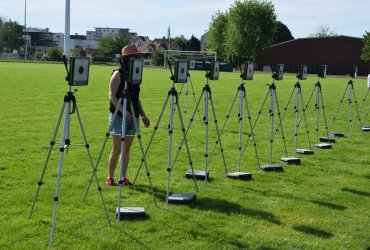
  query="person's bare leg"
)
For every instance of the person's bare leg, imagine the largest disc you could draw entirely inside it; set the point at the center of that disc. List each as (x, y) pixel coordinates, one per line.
(126, 158)
(114, 155)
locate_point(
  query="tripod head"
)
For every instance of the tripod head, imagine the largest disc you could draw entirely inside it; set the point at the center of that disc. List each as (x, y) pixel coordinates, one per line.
(78, 73)
(302, 73)
(278, 73)
(354, 71)
(248, 70)
(213, 73)
(321, 71)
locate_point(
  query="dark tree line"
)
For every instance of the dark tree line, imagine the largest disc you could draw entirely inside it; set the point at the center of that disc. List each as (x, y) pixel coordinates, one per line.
(10, 35)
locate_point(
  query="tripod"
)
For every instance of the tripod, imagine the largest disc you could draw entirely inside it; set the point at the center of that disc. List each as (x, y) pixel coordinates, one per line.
(206, 92)
(364, 127)
(351, 97)
(187, 93)
(65, 143)
(125, 211)
(241, 93)
(320, 103)
(175, 198)
(273, 95)
(298, 99)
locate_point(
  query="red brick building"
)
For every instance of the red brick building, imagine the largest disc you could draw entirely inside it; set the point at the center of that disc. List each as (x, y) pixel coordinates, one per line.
(339, 53)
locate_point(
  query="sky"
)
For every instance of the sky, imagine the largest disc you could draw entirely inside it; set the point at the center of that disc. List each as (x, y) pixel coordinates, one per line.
(184, 17)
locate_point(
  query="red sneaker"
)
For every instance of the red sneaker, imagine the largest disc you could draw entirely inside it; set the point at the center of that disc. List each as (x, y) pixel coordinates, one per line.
(126, 182)
(110, 182)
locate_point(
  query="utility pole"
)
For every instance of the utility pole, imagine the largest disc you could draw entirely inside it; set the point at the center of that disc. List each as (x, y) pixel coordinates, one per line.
(25, 30)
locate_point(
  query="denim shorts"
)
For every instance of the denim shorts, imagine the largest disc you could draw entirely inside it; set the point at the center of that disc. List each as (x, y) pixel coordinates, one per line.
(117, 126)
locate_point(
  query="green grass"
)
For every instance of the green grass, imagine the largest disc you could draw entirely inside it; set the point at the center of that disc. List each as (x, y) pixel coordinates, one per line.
(321, 204)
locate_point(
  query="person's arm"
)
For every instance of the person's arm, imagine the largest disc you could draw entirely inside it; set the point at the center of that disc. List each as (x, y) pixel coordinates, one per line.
(144, 117)
(113, 88)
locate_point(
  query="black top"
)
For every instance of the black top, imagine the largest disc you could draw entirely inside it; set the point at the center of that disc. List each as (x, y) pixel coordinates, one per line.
(133, 91)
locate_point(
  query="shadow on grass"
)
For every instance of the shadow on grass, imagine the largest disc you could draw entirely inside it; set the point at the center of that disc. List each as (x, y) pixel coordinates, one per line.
(229, 208)
(313, 231)
(158, 193)
(134, 238)
(330, 205)
(354, 191)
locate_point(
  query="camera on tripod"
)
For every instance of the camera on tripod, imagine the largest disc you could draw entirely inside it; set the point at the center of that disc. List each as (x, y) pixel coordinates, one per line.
(78, 74)
(215, 70)
(354, 71)
(279, 72)
(248, 71)
(135, 74)
(181, 71)
(322, 71)
(302, 75)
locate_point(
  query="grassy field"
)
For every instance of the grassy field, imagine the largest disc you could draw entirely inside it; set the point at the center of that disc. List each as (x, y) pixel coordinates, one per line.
(321, 204)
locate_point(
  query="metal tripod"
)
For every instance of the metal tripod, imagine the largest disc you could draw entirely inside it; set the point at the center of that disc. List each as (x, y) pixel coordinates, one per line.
(125, 99)
(273, 99)
(187, 94)
(351, 98)
(65, 143)
(319, 103)
(298, 100)
(365, 127)
(206, 92)
(172, 93)
(241, 93)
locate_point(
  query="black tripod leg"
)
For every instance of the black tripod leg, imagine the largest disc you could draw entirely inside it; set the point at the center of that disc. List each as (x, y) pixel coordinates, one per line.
(187, 146)
(52, 143)
(61, 154)
(340, 104)
(218, 134)
(91, 162)
(195, 99)
(103, 147)
(152, 137)
(306, 106)
(285, 109)
(252, 132)
(280, 123)
(323, 111)
(364, 99)
(187, 129)
(305, 120)
(143, 159)
(223, 126)
(358, 111)
(255, 122)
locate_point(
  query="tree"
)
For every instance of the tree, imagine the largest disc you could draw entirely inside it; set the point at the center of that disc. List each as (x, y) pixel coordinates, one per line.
(251, 27)
(216, 34)
(10, 35)
(112, 45)
(1, 34)
(181, 41)
(323, 31)
(366, 49)
(194, 44)
(282, 33)
(78, 52)
(157, 57)
(54, 54)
